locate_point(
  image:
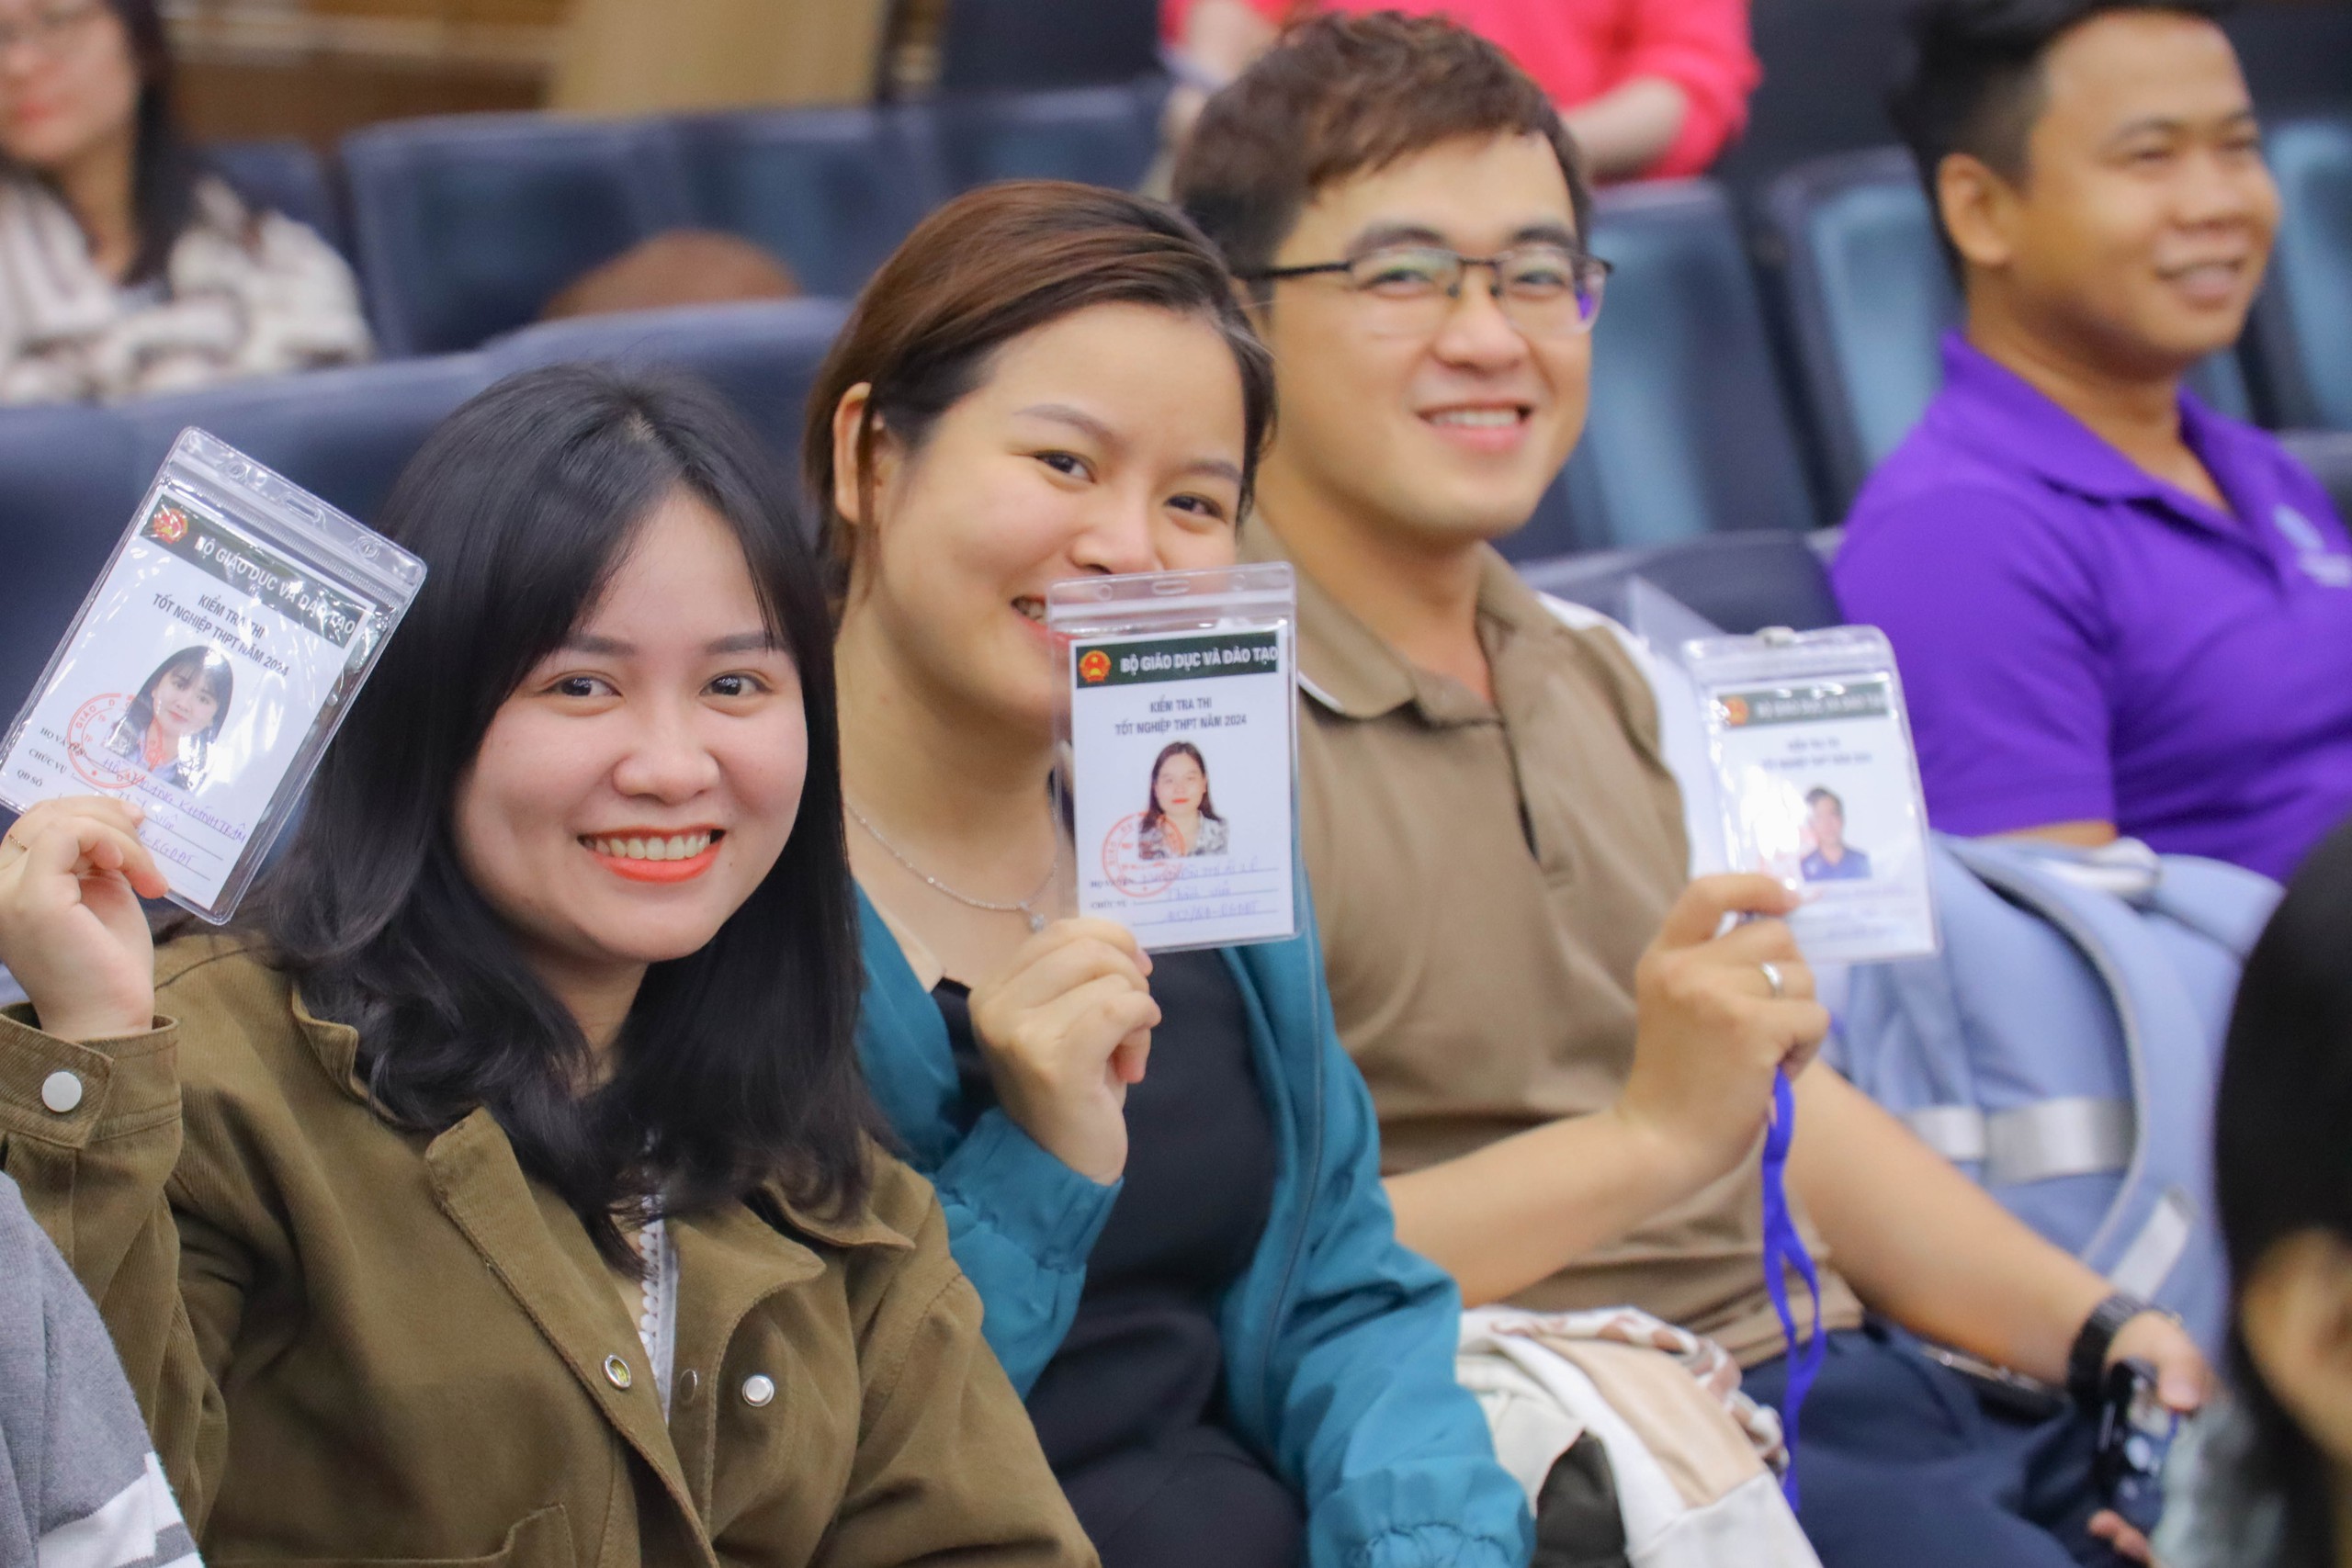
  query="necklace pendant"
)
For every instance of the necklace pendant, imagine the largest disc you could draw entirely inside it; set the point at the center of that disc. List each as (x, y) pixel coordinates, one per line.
(1036, 920)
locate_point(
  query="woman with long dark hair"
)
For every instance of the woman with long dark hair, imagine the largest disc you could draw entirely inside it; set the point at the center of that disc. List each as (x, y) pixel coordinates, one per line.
(1192, 1271)
(2275, 1489)
(501, 1190)
(127, 266)
(175, 717)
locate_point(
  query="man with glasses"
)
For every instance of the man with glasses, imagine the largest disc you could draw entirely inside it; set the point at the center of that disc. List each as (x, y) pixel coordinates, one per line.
(1573, 1067)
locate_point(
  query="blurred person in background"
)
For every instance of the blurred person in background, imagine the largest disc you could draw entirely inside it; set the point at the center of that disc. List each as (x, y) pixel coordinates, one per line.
(1651, 89)
(126, 267)
(1573, 1055)
(2116, 610)
(2275, 1486)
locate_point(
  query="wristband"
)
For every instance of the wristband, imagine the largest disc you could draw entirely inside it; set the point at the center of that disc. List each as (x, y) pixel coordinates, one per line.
(2086, 1362)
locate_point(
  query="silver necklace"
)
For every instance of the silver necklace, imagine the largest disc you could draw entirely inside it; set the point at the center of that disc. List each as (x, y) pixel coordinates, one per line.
(1023, 906)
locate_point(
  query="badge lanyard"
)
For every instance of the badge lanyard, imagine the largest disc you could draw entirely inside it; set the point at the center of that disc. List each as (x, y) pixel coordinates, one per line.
(1783, 1250)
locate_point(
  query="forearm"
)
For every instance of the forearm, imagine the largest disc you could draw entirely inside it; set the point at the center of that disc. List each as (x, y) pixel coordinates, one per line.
(1628, 129)
(1522, 1209)
(1222, 37)
(1925, 1246)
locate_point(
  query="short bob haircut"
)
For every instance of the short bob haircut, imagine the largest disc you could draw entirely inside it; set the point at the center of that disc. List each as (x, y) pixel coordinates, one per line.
(992, 265)
(737, 1067)
(1971, 83)
(2282, 1166)
(1343, 96)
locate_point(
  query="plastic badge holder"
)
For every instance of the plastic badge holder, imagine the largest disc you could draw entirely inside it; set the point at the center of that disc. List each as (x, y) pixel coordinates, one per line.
(1178, 718)
(210, 666)
(1819, 784)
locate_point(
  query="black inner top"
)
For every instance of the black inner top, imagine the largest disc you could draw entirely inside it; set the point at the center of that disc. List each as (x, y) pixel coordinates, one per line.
(1130, 1409)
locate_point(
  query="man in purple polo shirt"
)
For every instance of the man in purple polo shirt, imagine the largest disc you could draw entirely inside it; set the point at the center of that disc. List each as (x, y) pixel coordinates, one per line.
(2116, 611)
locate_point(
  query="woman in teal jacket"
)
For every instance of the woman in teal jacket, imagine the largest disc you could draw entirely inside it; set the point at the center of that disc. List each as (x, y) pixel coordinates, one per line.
(1190, 1271)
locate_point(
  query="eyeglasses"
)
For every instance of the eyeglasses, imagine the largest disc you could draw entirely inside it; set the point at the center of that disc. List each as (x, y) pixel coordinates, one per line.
(1407, 290)
(48, 28)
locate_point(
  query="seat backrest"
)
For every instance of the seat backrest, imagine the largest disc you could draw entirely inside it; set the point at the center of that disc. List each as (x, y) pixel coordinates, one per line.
(1689, 434)
(1868, 294)
(344, 434)
(990, 45)
(1098, 135)
(1737, 582)
(831, 190)
(287, 175)
(465, 226)
(763, 356)
(68, 482)
(2302, 323)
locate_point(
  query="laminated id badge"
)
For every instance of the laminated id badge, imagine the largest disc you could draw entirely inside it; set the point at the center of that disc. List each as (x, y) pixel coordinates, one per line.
(1819, 784)
(211, 665)
(1181, 762)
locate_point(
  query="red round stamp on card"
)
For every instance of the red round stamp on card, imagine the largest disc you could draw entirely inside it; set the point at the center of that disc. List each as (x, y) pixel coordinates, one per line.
(1130, 870)
(92, 740)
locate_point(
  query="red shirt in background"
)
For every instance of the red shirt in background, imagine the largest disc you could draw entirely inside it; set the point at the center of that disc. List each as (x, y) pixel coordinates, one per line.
(1579, 50)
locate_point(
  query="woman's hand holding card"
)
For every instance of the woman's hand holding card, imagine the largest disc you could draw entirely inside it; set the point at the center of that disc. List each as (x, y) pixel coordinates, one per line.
(71, 931)
(1066, 1028)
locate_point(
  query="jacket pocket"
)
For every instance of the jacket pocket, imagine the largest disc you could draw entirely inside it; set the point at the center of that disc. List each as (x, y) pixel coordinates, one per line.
(537, 1541)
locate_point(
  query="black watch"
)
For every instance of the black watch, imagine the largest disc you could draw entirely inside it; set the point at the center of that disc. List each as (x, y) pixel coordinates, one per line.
(2086, 1362)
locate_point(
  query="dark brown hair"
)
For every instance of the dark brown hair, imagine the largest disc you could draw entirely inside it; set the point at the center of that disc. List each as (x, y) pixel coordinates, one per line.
(990, 267)
(1345, 95)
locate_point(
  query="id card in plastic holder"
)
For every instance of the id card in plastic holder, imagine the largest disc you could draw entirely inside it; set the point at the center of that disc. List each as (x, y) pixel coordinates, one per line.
(210, 664)
(1180, 758)
(1819, 786)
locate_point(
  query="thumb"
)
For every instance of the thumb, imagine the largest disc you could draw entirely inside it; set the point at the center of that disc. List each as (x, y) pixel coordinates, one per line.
(2179, 1387)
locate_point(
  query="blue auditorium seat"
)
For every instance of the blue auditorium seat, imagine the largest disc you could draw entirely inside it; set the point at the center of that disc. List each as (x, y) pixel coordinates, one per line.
(2303, 326)
(345, 434)
(466, 225)
(287, 175)
(1101, 136)
(1741, 582)
(1868, 294)
(68, 482)
(763, 356)
(1689, 433)
(993, 46)
(831, 190)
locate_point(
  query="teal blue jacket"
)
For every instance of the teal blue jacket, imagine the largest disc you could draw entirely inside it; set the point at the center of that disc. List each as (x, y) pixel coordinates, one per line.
(1338, 1343)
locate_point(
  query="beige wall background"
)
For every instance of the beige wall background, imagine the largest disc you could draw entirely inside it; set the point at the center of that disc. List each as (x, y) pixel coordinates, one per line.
(647, 56)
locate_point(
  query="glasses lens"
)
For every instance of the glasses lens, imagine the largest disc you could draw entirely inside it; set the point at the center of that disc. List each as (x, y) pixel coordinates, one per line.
(1407, 271)
(1548, 290)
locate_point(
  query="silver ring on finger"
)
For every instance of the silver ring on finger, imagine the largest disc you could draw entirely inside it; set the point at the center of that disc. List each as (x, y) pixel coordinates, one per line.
(1774, 979)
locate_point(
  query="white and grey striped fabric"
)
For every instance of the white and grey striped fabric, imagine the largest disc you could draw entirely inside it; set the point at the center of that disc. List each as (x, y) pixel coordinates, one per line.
(80, 1486)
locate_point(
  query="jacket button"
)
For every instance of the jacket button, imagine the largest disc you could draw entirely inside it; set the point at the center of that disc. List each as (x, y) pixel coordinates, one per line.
(758, 1390)
(61, 1092)
(688, 1381)
(616, 1369)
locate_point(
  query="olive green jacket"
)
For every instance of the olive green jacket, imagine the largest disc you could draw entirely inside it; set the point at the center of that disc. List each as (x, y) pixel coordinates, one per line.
(354, 1341)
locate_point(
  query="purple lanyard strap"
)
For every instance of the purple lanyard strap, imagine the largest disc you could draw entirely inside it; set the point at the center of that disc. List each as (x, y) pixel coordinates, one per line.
(1784, 1250)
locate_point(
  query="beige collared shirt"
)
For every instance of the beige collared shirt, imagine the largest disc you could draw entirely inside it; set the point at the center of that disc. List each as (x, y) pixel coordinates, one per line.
(1486, 875)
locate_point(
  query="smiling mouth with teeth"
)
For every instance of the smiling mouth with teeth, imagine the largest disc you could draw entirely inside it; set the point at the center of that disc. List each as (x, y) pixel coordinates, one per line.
(654, 857)
(1479, 418)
